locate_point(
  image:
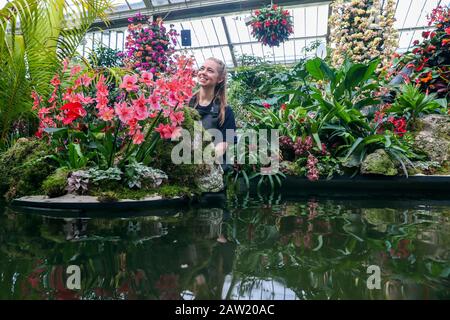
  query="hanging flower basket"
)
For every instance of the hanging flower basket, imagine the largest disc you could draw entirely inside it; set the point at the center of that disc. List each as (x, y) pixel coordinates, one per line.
(271, 25)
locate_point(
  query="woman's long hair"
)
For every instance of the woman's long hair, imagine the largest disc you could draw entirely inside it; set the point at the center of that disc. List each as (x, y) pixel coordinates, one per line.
(220, 91)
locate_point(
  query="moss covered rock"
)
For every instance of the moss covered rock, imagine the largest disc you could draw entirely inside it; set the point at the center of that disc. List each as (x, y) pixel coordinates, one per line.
(181, 174)
(380, 163)
(108, 196)
(24, 167)
(56, 184)
(433, 137)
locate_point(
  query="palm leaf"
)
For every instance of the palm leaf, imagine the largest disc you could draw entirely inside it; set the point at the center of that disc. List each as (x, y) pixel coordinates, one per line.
(31, 51)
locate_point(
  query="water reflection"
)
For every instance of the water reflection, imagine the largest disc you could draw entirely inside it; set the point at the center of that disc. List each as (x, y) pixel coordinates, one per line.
(303, 249)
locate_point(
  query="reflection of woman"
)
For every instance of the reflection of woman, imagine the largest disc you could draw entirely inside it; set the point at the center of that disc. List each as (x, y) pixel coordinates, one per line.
(210, 279)
(211, 103)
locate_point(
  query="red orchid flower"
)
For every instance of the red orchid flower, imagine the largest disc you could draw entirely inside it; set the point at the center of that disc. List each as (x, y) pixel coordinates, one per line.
(74, 110)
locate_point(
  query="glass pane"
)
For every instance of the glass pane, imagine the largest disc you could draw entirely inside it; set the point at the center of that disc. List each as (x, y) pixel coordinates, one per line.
(157, 3)
(220, 32)
(120, 5)
(311, 21)
(298, 15)
(136, 4)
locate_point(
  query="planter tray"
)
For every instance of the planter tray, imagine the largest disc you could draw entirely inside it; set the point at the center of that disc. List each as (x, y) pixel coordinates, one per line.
(417, 185)
(75, 202)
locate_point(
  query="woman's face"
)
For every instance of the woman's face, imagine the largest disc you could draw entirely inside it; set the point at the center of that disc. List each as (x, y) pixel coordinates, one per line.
(208, 74)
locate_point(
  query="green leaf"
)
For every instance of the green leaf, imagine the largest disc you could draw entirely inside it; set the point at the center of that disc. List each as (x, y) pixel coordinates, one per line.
(320, 238)
(354, 146)
(317, 140)
(313, 66)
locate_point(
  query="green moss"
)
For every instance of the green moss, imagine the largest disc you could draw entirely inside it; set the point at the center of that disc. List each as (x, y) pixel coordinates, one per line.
(444, 169)
(122, 192)
(379, 162)
(179, 174)
(55, 185)
(24, 167)
(172, 191)
(108, 196)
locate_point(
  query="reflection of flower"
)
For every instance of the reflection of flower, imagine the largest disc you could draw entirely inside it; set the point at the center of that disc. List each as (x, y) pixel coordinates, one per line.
(402, 249)
(168, 287)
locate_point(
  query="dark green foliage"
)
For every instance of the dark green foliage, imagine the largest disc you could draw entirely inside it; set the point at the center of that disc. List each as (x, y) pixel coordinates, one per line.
(105, 57)
(56, 184)
(24, 167)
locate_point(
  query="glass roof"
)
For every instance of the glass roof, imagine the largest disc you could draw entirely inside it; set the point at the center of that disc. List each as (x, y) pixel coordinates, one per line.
(209, 33)
(310, 27)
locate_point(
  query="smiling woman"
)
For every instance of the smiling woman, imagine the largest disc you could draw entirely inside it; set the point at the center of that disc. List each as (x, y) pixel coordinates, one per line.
(211, 103)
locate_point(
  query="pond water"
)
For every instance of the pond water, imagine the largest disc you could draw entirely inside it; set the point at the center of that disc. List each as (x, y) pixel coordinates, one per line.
(272, 248)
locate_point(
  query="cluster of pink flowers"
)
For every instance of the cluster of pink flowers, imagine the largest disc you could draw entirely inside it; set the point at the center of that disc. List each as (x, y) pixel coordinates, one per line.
(313, 172)
(142, 99)
(149, 45)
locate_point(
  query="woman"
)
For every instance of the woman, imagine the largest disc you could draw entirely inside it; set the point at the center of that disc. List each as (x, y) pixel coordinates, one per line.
(211, 103)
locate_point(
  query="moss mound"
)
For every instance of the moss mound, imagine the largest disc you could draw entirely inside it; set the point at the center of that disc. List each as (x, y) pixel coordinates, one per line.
(180, 174)
(24, 167)
(56, 184)
(122, 192)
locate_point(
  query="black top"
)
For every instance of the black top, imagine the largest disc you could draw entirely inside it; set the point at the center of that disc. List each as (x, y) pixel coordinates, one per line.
(228, 123)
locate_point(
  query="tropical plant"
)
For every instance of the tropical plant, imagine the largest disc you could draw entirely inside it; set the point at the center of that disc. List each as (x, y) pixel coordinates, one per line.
(254, 84)
(79, 121)
(428, 62)
(345, 93)
(412, 103)
(105, 57)
(35, 36)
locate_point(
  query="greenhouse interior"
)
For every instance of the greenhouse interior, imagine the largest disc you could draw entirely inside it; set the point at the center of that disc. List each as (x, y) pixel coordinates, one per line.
(278, 150)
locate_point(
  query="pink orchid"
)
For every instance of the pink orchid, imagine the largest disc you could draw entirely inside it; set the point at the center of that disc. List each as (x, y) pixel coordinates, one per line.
(147, 78)
(154, 102)
(75, 69)
(129, 83)
(106, 114)
(167, 131)
(140, 108)
(133, 126)
(102, 102)
(138, 137)
(84, 100)
(177, 118)
(55, 81)
(102, 89)
(124, 112)
(85, 80)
